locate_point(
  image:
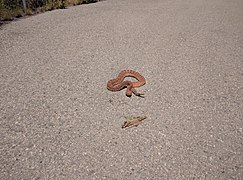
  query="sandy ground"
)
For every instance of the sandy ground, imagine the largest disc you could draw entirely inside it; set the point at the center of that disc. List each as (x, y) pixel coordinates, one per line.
(58, 120)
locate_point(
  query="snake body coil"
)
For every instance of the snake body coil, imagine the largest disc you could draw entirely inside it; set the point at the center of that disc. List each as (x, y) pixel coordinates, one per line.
(118, 83)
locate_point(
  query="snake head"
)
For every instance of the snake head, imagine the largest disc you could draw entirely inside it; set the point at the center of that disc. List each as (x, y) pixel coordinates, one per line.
(128, 93)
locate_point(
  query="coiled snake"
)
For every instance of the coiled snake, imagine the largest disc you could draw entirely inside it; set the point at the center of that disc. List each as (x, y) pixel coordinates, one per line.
(118, 83)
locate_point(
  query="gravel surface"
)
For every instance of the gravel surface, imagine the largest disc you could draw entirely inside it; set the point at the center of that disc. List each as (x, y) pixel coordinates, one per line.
(58, 120)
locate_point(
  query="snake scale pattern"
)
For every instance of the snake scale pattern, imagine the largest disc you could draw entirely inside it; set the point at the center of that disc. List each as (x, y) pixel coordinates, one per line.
(118, 84)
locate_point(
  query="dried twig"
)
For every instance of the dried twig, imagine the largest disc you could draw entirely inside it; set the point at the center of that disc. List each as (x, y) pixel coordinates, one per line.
(133, 122)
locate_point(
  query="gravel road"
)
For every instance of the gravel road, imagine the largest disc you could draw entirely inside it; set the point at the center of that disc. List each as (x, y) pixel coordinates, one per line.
(58, 120)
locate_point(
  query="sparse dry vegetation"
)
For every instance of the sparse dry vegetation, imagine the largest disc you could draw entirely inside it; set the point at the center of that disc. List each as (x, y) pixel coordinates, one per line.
(10, 9)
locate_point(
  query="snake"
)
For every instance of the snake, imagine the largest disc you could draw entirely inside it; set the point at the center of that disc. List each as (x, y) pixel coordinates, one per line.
(118, 84)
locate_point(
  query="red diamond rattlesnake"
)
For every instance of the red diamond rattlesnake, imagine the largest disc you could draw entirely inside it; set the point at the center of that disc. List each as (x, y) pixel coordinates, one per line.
(118, 84)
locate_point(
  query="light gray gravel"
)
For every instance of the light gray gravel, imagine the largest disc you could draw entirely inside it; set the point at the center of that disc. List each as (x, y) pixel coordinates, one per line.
(58, 120)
